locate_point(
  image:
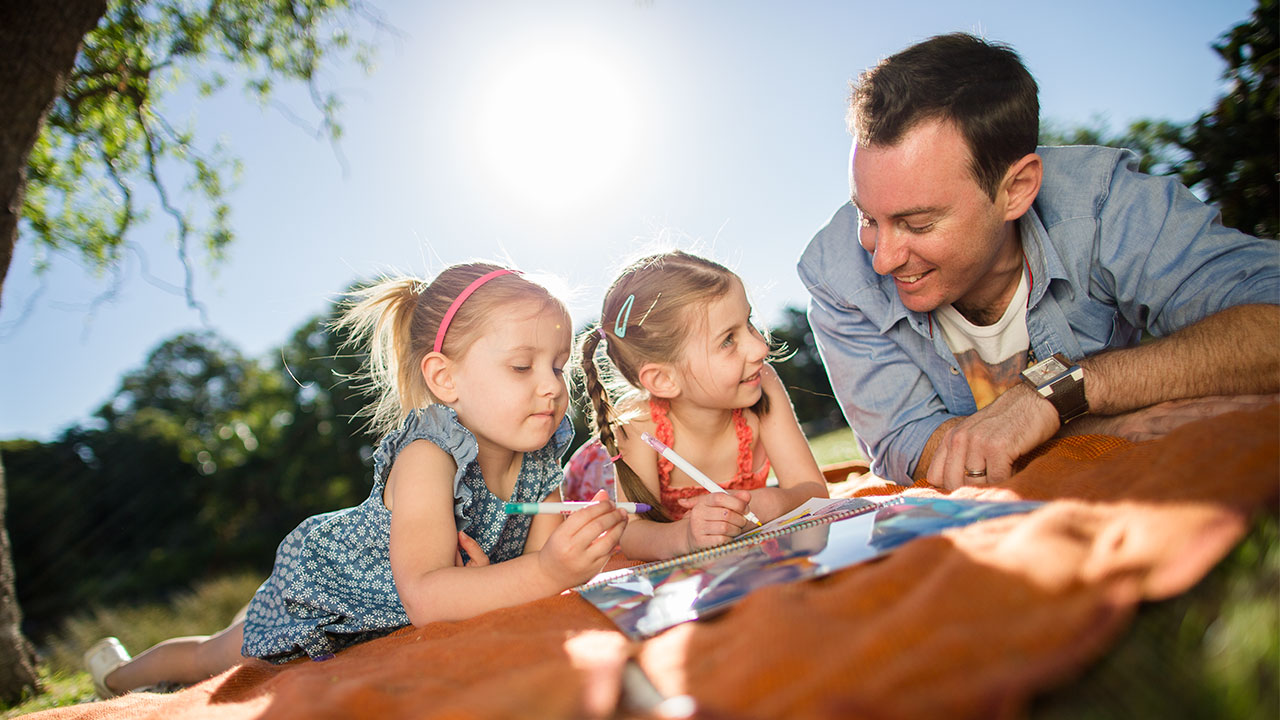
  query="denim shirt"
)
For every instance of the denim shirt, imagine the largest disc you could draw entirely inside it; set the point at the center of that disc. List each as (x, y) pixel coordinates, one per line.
(1112, 252)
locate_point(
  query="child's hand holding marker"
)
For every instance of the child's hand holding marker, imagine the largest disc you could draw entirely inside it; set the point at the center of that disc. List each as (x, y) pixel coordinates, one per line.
(691, 471)
(584, 541)
(715, 518)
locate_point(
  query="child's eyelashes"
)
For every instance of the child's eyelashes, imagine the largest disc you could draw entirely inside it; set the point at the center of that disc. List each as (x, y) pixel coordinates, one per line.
(559, 371)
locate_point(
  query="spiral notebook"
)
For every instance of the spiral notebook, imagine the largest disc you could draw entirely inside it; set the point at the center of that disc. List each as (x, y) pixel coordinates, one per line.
(816, 539)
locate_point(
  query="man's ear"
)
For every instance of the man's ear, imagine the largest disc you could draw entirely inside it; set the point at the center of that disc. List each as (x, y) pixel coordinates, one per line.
(659, 380)
(1021, 185)
(437, 371)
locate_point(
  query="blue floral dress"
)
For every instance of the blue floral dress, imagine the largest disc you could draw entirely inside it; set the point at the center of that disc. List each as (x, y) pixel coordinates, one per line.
(332, 585)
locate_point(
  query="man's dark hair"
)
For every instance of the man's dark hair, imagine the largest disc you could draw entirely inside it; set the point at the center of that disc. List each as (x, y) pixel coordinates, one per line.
(982, 87)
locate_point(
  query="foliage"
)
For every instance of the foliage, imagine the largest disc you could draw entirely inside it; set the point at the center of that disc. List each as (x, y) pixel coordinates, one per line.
(209, 605)
(803, 373)
(206, 607)
(201, 462)
(108, 133)
(1234, 149)
(1230, 155)
(1155, 141)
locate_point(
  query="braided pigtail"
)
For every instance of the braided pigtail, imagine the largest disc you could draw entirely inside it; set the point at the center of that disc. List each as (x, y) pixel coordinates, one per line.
(603, 416)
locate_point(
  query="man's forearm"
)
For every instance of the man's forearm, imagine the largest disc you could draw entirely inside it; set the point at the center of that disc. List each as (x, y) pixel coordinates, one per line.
(1233, 352)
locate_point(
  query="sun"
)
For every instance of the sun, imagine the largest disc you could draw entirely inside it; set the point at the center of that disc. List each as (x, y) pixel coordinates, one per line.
(556, 128)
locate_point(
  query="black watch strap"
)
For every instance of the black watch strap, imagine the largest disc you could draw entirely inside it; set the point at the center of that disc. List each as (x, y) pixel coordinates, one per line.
(1068, 399)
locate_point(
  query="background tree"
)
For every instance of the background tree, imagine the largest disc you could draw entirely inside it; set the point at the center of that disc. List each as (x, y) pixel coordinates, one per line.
(38, 43)
(1230, 155)
(197, 466)
(1233, 151)
(84, 132)
(804, 375)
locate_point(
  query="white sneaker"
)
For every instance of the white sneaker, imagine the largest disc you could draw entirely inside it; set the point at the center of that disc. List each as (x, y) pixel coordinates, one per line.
(100, 660)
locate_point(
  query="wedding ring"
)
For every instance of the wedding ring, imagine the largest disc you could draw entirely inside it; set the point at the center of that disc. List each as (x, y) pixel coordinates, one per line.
(975, 473)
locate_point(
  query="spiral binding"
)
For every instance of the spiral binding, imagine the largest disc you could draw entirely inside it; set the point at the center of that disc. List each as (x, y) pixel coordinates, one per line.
(734, 545)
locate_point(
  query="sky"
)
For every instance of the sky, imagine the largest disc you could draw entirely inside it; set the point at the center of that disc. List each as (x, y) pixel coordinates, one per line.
(565, 137)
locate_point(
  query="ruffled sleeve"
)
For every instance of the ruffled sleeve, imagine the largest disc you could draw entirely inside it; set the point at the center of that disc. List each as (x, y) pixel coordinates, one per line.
(439, 425)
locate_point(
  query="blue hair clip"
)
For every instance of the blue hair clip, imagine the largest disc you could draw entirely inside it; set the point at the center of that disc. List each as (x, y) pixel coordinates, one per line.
(624, 317)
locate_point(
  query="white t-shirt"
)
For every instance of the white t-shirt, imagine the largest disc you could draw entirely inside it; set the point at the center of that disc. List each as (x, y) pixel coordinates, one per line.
(992, 357)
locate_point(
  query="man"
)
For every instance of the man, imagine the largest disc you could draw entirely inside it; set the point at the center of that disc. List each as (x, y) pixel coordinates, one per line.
(968, 255)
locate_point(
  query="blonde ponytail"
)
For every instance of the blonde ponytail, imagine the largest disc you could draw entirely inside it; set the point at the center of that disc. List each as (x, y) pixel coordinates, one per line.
(379, 318)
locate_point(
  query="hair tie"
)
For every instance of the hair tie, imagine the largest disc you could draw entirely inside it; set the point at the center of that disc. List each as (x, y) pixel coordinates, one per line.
(624, 316)
(603, 335)
(614, 459)
(457, 303)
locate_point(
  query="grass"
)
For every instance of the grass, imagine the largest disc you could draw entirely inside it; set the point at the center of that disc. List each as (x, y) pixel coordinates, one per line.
(1212, 652)
(835, 446)
(205, 609)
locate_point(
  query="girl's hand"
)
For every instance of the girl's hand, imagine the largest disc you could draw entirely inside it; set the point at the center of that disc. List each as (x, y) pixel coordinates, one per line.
(579, 547)
(473, 550)
(715, 518)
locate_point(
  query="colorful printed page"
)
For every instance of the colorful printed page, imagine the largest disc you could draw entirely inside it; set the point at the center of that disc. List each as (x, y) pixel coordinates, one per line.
(648, 599)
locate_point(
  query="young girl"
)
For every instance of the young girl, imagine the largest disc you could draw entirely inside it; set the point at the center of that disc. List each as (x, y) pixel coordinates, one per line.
(677, 330)
(467, 378)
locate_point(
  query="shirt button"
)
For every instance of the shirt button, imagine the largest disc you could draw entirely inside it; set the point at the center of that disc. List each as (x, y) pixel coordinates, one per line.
(955, 371)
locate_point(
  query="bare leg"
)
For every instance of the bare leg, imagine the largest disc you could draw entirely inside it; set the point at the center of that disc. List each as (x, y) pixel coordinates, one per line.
(183, 660)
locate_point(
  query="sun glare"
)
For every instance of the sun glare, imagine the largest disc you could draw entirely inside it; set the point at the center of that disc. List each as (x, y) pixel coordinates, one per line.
(556, 128)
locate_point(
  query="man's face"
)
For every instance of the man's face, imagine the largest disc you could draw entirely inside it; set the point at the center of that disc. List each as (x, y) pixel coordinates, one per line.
(926, 220)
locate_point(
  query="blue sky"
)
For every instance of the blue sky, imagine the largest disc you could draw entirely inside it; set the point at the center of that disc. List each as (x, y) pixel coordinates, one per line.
(567, 136)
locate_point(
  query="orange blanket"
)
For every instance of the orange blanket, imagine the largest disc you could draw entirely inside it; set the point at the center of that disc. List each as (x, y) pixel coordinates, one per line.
(968, 624)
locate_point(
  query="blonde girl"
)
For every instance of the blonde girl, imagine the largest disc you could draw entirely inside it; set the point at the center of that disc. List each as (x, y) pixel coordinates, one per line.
(466, 374)
(683, 362)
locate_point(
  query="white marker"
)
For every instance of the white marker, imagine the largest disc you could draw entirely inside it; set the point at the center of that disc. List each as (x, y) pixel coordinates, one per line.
(688, 468)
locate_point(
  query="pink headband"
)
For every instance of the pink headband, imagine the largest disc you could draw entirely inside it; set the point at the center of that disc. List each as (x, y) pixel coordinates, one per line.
(457, 303)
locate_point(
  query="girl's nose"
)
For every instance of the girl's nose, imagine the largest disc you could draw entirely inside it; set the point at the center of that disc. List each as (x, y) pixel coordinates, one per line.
(758, 349)
(550, 383)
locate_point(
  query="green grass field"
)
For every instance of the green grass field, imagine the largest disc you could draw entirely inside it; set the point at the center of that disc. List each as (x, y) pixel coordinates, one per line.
(1213, 652)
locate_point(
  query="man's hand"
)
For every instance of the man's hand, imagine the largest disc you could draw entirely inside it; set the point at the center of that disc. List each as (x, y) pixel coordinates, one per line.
(981, 449)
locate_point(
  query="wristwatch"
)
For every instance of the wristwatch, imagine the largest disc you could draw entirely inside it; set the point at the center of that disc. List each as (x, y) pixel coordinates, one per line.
(1061, 382)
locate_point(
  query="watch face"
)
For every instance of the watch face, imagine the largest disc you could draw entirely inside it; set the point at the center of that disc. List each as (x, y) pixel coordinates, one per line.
(1043, 372)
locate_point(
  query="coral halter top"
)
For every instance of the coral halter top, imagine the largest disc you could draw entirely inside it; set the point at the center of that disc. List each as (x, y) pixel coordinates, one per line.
(745, 479)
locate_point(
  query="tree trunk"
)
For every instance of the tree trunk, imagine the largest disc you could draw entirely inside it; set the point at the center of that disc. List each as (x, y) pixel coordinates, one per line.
(17, 660)
(38, 46)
